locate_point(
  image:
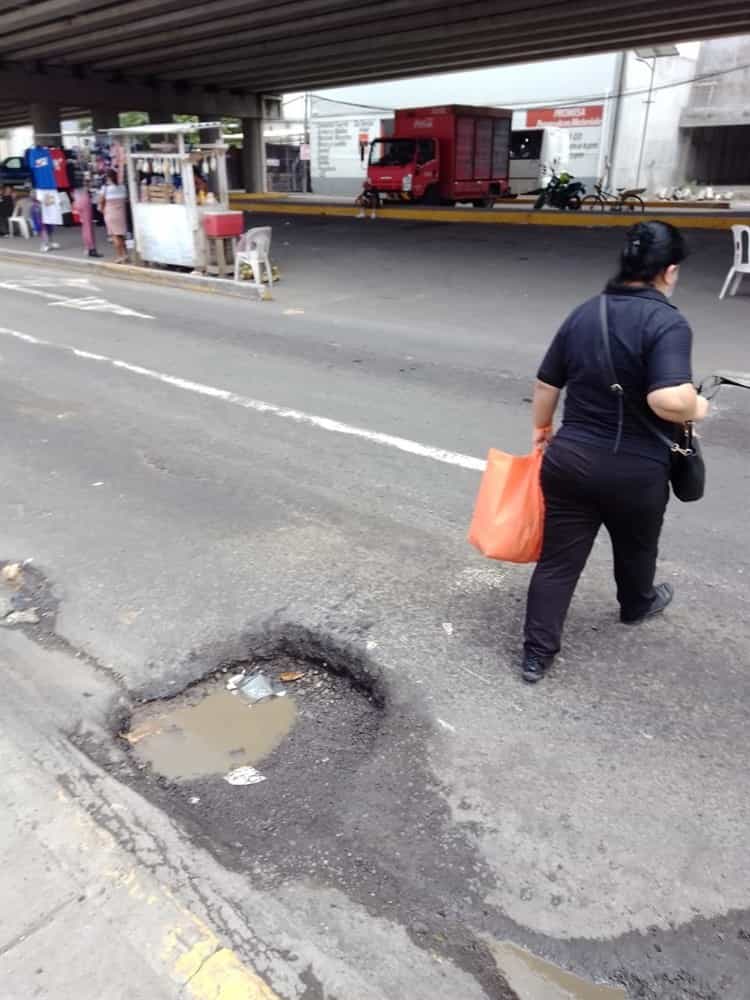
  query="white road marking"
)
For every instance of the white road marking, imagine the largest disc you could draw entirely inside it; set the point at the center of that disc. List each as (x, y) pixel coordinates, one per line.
(298, 416)
(35, 282)
(87, 303)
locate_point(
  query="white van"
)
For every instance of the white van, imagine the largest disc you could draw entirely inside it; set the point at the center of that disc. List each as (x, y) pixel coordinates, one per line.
(534, 153)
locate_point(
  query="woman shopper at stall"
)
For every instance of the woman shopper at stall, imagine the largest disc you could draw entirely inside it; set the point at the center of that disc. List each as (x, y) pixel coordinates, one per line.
(604, 465)
(113, 209)
(84, 208)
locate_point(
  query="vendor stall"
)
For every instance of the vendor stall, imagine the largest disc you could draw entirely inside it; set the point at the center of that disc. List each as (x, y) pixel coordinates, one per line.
(172, 185)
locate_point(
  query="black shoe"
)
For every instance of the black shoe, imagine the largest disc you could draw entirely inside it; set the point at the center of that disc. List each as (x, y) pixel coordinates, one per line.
(661, 600)
(533, 669)
(94, 253)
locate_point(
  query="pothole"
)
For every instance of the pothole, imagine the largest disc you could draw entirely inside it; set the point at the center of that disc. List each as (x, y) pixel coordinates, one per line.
(291, 750)
(340, 793)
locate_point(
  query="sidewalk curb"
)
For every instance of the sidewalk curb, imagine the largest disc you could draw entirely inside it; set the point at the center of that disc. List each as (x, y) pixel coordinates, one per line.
(129, 272)
(493, 217)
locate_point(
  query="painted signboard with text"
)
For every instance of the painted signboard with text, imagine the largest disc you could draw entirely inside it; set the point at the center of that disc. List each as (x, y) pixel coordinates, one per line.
(585, 123)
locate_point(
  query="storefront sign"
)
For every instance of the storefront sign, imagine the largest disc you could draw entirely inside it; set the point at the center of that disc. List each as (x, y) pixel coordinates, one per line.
(583, 115)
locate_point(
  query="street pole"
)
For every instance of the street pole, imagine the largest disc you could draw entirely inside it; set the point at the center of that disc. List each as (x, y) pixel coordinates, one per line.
(649, 102)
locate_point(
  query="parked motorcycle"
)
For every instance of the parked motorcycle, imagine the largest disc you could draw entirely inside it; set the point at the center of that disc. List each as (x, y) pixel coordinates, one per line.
(563, 192)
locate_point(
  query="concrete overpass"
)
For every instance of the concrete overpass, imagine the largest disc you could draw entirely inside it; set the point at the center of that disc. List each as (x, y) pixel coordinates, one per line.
(215, 57)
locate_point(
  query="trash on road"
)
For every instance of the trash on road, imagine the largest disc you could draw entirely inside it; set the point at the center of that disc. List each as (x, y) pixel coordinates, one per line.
(244, 776)
(256, 688)
(151, 727)
(290, 676)
(28, 617)
(12, 572)
(234, 681)
(448, 628)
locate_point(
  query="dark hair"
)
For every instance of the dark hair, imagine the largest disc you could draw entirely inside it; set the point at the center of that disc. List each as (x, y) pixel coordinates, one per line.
(650, 248)
(112, 176)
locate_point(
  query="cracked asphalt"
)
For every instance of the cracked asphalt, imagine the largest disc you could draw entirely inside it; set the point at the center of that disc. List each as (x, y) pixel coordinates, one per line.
(598, 820)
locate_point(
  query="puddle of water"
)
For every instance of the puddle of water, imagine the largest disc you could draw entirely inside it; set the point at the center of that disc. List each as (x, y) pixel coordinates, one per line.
(215, 735)
(534, 979)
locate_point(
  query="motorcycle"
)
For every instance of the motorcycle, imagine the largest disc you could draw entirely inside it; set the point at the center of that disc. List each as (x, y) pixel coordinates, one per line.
(563, 192)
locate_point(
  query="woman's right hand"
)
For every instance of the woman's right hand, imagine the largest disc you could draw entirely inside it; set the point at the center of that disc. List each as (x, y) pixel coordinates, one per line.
(701, 408)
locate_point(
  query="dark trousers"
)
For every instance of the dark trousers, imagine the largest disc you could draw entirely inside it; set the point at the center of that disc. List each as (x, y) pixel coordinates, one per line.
(585, 487)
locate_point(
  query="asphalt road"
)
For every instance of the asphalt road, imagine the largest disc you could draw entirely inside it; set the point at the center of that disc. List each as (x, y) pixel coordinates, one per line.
(600, 818)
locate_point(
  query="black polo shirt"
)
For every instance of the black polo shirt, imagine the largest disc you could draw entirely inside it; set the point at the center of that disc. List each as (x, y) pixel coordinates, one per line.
(651, 345)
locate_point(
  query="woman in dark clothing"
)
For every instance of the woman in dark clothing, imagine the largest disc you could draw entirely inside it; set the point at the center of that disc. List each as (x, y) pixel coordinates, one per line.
(7, 204)
(601, 468)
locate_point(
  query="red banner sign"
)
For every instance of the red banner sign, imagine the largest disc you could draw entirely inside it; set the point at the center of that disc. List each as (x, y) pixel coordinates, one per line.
(587, 114)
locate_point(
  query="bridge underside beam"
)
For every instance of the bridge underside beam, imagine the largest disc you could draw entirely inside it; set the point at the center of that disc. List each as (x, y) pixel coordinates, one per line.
(209, 57)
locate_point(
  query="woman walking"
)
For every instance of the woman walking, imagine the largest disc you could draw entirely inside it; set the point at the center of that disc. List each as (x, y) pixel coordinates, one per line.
(605, 466)
(113, 210)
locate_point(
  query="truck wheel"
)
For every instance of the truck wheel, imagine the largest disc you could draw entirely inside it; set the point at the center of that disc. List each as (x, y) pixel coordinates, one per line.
(484, 203)
(539, 203)
(431, 195)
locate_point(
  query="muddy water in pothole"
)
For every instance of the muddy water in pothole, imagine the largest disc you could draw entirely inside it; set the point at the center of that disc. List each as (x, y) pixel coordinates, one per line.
(532, 978)
(213, 735)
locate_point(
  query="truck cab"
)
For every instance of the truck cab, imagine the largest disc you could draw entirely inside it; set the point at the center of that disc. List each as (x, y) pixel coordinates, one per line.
(404, 168)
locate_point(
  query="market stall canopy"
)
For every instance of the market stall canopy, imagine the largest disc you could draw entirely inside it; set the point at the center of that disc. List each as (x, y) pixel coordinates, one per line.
(211, 57)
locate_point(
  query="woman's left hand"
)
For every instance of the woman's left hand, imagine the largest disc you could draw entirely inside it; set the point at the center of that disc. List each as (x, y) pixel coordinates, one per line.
(542, 436)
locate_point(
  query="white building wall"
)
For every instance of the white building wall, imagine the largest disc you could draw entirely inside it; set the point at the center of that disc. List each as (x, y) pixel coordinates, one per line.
(663, 151)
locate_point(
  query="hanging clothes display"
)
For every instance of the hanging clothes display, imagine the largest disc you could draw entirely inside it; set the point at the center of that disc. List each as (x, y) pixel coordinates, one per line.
(41, 165)
(60, 168)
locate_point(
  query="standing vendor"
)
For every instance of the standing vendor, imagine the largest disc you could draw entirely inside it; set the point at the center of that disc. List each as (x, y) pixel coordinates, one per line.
(115, 218)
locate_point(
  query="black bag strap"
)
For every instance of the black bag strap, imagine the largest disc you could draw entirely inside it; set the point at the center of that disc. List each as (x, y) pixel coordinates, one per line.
(623, 400)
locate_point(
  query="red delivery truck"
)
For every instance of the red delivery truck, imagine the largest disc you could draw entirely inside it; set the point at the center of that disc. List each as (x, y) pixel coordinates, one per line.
(442, 155)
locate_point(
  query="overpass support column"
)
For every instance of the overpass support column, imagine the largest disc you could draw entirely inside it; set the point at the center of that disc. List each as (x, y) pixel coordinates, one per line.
(45, 119)
(253, 156)
(103, 120)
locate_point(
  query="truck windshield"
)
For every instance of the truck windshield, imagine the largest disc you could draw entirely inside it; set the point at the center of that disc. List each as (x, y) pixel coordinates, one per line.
(392, 152)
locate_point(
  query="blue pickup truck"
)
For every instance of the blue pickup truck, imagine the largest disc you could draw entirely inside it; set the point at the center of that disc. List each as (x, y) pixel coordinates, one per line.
(14, 171)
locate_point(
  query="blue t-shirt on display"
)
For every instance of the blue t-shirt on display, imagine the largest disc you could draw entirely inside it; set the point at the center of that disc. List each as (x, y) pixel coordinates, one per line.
(42, 169)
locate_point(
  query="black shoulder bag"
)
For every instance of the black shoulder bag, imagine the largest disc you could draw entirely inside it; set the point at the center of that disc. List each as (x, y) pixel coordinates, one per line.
(687, 470)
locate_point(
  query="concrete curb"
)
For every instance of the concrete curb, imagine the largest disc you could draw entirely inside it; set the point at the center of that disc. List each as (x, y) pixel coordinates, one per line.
(684, 219)
(129, 272)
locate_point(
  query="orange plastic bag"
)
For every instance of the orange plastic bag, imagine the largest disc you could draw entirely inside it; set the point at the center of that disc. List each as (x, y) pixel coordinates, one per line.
(508, 522)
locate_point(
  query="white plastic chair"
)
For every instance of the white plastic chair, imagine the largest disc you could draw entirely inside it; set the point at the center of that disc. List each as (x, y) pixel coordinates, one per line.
(741, 265)
(18, 219)
(254, 248)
